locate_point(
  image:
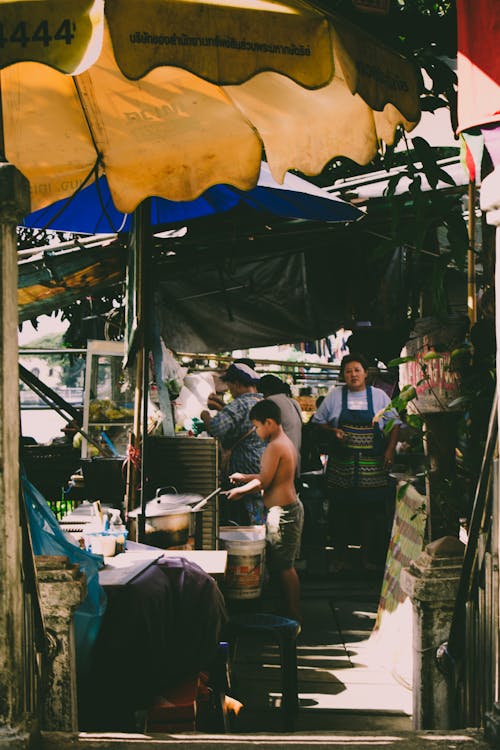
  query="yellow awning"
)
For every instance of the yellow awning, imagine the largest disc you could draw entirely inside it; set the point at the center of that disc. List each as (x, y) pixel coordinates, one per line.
(226, 80)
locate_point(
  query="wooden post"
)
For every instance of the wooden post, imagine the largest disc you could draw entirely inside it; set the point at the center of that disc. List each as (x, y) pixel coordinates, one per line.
(14, 203)
(142, 249)
(135, 354)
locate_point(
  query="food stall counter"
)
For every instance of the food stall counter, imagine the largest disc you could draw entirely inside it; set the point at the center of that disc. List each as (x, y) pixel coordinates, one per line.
(212, 562)
(123, 568)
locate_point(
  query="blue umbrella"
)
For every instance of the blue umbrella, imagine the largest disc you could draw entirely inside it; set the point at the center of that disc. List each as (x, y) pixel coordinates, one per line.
(91, 209)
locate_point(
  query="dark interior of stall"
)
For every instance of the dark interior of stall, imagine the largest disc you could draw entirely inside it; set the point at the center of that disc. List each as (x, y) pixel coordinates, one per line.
(170, 631)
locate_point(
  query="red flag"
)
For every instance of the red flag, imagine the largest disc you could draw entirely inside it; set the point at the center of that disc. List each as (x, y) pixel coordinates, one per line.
(467, 159)
(478, 62)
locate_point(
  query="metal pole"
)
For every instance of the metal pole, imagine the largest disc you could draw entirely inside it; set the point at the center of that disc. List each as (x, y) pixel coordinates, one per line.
(69, 420)
(285, 363)
(143, 247)
(471, 255)
(135, 439)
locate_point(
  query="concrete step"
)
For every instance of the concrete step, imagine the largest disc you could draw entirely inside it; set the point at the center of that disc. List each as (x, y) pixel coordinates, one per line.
(422, 740)
(327, 720)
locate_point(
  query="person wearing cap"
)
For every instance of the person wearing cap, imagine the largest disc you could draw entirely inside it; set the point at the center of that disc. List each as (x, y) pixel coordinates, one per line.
(233, 427)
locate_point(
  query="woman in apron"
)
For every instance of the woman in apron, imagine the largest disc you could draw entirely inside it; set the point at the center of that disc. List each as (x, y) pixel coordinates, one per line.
(359, 457)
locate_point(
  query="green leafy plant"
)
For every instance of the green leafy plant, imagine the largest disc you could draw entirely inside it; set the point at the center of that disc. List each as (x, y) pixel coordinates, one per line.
(451, 495)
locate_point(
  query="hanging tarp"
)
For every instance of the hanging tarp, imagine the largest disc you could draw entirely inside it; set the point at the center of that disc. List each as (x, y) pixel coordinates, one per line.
(52, 280)
(227, 307)
(306, 291)
(224, 285)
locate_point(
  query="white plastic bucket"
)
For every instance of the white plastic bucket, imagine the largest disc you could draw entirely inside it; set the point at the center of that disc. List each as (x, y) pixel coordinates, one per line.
(101, 543)
(246, 551)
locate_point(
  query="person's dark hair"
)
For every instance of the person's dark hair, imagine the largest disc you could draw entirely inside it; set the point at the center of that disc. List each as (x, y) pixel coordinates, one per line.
(270, 385)
(265, 410)
(245, 361)
(353, 358)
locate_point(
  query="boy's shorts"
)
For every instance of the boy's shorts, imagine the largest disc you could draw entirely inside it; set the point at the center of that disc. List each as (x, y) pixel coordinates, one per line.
(283, 533)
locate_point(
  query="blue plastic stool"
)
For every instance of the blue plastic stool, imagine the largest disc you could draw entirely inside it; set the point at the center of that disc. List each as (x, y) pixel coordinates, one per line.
(284, 632)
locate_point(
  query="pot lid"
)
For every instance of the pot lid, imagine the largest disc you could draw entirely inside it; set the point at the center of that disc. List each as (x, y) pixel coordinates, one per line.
(156, 508)
(172, 501)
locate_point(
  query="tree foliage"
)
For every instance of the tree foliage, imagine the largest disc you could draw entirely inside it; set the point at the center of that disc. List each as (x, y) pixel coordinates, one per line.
(425, 32)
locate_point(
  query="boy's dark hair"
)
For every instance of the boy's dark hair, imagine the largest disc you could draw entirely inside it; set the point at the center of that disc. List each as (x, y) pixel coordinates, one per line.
(265, 410)
(353, 358)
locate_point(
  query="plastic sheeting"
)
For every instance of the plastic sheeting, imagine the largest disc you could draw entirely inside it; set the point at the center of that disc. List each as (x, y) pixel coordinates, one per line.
(247, 303)
(48, 539)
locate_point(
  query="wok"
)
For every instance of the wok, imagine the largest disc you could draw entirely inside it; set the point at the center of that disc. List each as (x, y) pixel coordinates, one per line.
(168, 517)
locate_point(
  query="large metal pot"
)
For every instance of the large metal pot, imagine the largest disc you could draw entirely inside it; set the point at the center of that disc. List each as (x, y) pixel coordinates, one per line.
(168, 518)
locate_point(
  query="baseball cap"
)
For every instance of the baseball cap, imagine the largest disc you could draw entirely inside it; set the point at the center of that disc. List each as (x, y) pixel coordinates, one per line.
(245, 361)
(238, 372)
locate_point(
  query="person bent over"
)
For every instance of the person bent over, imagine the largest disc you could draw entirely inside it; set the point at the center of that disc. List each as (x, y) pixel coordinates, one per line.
(285, 513)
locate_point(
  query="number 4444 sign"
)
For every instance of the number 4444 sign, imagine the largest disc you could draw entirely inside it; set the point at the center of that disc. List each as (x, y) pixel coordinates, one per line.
(24, 34)
(66, 36)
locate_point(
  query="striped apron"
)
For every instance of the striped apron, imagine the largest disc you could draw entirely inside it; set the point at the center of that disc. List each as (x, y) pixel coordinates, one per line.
(358, 463)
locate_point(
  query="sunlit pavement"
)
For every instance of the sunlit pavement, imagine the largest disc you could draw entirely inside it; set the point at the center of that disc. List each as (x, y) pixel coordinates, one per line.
(340, 688)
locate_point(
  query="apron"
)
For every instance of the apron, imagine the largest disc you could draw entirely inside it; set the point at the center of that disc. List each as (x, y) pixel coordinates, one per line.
(358, 462)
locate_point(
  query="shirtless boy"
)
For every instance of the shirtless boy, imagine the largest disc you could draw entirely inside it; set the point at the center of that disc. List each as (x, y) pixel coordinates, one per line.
(285, 516)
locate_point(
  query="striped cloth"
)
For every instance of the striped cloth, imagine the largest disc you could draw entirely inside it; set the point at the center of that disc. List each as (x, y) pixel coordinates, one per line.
(407, 542)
